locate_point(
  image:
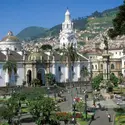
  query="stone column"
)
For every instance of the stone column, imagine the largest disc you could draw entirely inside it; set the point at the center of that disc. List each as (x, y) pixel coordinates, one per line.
(106, 67)
(78, 69)
(66, 72)
(53, 65)
(7, 78)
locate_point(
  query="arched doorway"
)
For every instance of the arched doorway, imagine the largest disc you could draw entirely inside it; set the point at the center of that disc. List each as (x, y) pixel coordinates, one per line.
(41, 75)
(29, 77)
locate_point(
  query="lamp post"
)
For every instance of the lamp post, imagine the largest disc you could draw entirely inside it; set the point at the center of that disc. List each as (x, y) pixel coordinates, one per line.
(80, 84)
(55, 91)
(19, 112)
(74, 113)
(77, 91)
(95, 96)
(86, 96)
(48, 91)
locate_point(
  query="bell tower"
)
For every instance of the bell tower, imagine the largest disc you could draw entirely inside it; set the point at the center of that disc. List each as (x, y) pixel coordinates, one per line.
(67, 35)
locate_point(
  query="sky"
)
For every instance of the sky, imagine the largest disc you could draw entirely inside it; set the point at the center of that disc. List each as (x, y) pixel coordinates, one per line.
(15, 15)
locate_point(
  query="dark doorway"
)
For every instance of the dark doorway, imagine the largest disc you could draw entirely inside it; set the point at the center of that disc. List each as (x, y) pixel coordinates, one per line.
(29, 77)
(39, 76)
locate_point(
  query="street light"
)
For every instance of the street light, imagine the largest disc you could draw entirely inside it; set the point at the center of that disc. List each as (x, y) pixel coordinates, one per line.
(74, 112)
(77, 91)
(48, 91)
(19, 112)
(86, 96)
(55, 91)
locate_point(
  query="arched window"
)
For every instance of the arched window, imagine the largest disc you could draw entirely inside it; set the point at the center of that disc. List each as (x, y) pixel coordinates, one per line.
(101, 66)
(92, 67)
(72, 68)
(67, 26)
(112, 66)
(59, 69)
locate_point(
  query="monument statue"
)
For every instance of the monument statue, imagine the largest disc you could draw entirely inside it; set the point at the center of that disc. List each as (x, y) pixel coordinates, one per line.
(105, 42)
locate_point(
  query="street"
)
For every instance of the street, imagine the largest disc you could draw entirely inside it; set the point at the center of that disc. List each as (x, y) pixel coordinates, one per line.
(101, 118)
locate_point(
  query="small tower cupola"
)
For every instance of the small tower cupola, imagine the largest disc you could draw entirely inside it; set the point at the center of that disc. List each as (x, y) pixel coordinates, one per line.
(67, 16)
(10, 33)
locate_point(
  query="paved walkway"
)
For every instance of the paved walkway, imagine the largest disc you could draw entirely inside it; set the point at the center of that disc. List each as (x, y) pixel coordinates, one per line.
(101, 118)
(107, 103)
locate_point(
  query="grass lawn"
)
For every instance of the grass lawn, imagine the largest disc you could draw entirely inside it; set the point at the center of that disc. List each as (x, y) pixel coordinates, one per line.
(24, 110)
(120, 120)
(3, 100)
(119, 89)
(81, 122)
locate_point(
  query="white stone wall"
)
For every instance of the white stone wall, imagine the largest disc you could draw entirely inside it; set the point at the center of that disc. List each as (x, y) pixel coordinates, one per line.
(10, 45)
(20, 74)
(72, 74)
(123, 66)
(2, 76)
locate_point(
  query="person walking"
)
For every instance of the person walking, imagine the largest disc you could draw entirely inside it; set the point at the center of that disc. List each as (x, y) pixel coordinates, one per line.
(109, 117)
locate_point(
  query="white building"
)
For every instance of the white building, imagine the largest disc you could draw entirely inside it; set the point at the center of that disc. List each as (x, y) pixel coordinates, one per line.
(67, 34)
(10, 50)
(116, 61)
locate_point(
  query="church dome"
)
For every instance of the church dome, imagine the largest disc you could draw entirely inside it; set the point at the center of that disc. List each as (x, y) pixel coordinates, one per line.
(10, 38)
(35, 56)
(10, 42)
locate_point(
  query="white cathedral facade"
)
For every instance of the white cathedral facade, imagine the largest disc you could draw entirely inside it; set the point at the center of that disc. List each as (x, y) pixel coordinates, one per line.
(36, 64)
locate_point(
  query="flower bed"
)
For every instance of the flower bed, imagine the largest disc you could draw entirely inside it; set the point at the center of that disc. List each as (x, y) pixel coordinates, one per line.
(63, 115)
(66, 115)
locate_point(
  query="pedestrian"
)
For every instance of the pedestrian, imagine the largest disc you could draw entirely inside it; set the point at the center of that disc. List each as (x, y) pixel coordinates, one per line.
(109, 117)
(92, 117)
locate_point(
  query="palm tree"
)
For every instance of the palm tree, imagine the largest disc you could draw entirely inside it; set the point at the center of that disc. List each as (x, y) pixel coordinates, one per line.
(69, 56)
(10, 67)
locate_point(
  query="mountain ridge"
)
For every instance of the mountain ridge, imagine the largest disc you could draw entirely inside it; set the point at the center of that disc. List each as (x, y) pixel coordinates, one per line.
(88, 26)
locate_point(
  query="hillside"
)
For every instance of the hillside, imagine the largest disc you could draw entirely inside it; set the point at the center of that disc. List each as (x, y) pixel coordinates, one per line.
(31, 32)
(87, 27)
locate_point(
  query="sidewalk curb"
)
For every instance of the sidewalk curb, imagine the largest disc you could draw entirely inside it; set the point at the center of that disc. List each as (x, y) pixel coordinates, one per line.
(113, 119)
(89, 123)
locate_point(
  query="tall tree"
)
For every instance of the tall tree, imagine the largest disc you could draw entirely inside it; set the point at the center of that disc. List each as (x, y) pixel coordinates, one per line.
(96, 81)
(10, 67)
(118, 23)
(69, 56)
